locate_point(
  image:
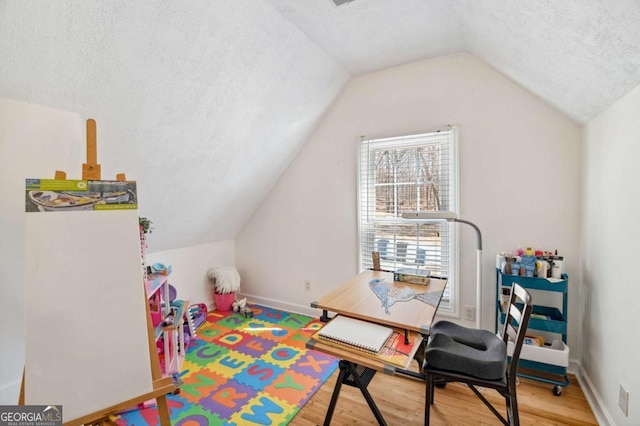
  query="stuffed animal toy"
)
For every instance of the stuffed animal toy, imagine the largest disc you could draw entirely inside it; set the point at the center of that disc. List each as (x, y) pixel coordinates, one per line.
(237, 305)
(241, 307)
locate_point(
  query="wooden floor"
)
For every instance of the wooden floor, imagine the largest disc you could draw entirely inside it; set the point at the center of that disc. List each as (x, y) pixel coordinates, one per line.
(401, 401)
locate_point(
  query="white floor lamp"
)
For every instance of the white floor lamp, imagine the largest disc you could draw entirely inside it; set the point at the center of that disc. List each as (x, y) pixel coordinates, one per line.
(431, 217)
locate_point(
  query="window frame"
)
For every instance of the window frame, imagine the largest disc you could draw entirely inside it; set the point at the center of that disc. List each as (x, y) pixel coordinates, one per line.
(452, 308)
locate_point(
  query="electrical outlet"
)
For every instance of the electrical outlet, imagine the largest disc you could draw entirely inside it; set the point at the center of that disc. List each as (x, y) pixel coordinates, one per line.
(307, 285)
(469, 313)
(623, 400)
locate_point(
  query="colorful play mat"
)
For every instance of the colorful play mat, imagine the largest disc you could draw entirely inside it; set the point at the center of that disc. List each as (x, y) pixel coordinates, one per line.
(243, 371)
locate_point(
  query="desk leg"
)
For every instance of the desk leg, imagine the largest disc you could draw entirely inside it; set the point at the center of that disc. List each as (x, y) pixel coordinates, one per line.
(366, 394)
(325, 316)
(336, 392)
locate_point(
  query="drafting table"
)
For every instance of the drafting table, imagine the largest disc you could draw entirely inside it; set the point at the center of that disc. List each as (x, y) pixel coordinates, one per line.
(356, 299)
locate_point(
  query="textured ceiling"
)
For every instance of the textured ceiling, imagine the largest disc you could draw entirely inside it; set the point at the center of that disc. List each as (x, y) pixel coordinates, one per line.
(578, 55)
(368, 35)
(206, 103)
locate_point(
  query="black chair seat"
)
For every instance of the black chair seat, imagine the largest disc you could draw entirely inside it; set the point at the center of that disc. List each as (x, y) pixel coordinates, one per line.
(478, 353)
(479, 357)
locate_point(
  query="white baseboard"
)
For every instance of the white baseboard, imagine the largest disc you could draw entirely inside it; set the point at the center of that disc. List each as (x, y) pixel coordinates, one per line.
(593, 399)
(290, 307)
(574, 367)
(9, 393)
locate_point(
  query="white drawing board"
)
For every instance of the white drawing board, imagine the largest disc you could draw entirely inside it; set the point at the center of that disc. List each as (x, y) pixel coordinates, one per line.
(86, 327)
(34, 141)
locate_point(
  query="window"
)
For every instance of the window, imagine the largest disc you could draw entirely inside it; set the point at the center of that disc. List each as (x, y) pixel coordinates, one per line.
(407, 173)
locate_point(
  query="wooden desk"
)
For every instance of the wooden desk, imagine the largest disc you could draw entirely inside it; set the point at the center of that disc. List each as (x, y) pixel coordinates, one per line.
(356, 299)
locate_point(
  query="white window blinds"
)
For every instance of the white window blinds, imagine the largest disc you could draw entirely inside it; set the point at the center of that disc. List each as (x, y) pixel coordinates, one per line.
(408, 173)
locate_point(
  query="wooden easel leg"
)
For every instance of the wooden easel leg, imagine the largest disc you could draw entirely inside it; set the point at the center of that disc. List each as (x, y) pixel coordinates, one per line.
(163, 410)
(21, 397)
(156, 374)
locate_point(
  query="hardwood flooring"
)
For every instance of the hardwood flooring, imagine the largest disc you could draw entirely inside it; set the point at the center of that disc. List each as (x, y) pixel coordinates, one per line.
(401, 402)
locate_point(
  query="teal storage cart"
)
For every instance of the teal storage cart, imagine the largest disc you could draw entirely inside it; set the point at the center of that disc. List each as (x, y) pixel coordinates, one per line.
(551, 360)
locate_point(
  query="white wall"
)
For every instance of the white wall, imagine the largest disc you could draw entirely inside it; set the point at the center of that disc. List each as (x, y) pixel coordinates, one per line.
(189, 267)
(519, 171)
(34, 142)
(610, 248)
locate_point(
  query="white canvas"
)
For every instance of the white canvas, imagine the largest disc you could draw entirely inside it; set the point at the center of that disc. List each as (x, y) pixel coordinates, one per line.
(86, 336)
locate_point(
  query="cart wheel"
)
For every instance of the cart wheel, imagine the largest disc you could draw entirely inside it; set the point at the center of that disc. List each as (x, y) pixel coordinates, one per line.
(557, 390)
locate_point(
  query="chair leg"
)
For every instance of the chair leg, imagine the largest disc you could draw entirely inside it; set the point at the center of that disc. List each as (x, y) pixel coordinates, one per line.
(507, 403)
(433, 390)
(428, 399)
(514, 418)
(511, 400)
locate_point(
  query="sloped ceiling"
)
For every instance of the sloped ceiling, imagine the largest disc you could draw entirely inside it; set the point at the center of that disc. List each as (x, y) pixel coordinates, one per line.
(578, 55)
(205, 103)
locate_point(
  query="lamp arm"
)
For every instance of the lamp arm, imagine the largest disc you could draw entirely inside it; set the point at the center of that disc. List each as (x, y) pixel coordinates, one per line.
(478, 270)
(430, 217)
(474, 226)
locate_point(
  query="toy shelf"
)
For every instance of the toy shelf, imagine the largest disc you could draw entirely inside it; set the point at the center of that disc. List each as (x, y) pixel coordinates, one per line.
(173, 335)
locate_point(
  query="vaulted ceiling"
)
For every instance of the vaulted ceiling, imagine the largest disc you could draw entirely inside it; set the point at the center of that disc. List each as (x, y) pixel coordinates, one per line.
(578, 55)
(205, 103)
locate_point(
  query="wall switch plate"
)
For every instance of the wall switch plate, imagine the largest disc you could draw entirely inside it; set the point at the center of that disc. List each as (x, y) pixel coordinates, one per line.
(307, 285)
(623, 400)
(469, 313)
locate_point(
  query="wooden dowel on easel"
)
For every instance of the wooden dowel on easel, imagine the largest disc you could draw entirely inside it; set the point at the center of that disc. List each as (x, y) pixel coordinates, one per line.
(92, 142)
(91, 169)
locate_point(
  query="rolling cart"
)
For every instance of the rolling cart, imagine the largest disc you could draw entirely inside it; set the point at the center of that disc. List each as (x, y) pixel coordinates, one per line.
(552, 359)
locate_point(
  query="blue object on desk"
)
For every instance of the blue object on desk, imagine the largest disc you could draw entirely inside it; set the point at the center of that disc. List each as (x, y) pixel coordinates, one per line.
(389, 295)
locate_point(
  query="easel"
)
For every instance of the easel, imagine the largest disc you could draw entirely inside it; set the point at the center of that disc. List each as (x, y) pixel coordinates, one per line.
(161, 385)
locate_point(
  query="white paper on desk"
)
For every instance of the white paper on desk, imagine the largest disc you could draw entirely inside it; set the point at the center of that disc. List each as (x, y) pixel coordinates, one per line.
(357, 333)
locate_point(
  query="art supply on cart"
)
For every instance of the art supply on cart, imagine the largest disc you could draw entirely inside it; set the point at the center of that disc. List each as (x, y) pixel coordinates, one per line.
(545, 357)
(542, 268)
(528, 262)
(504, 299)
(557, 266)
